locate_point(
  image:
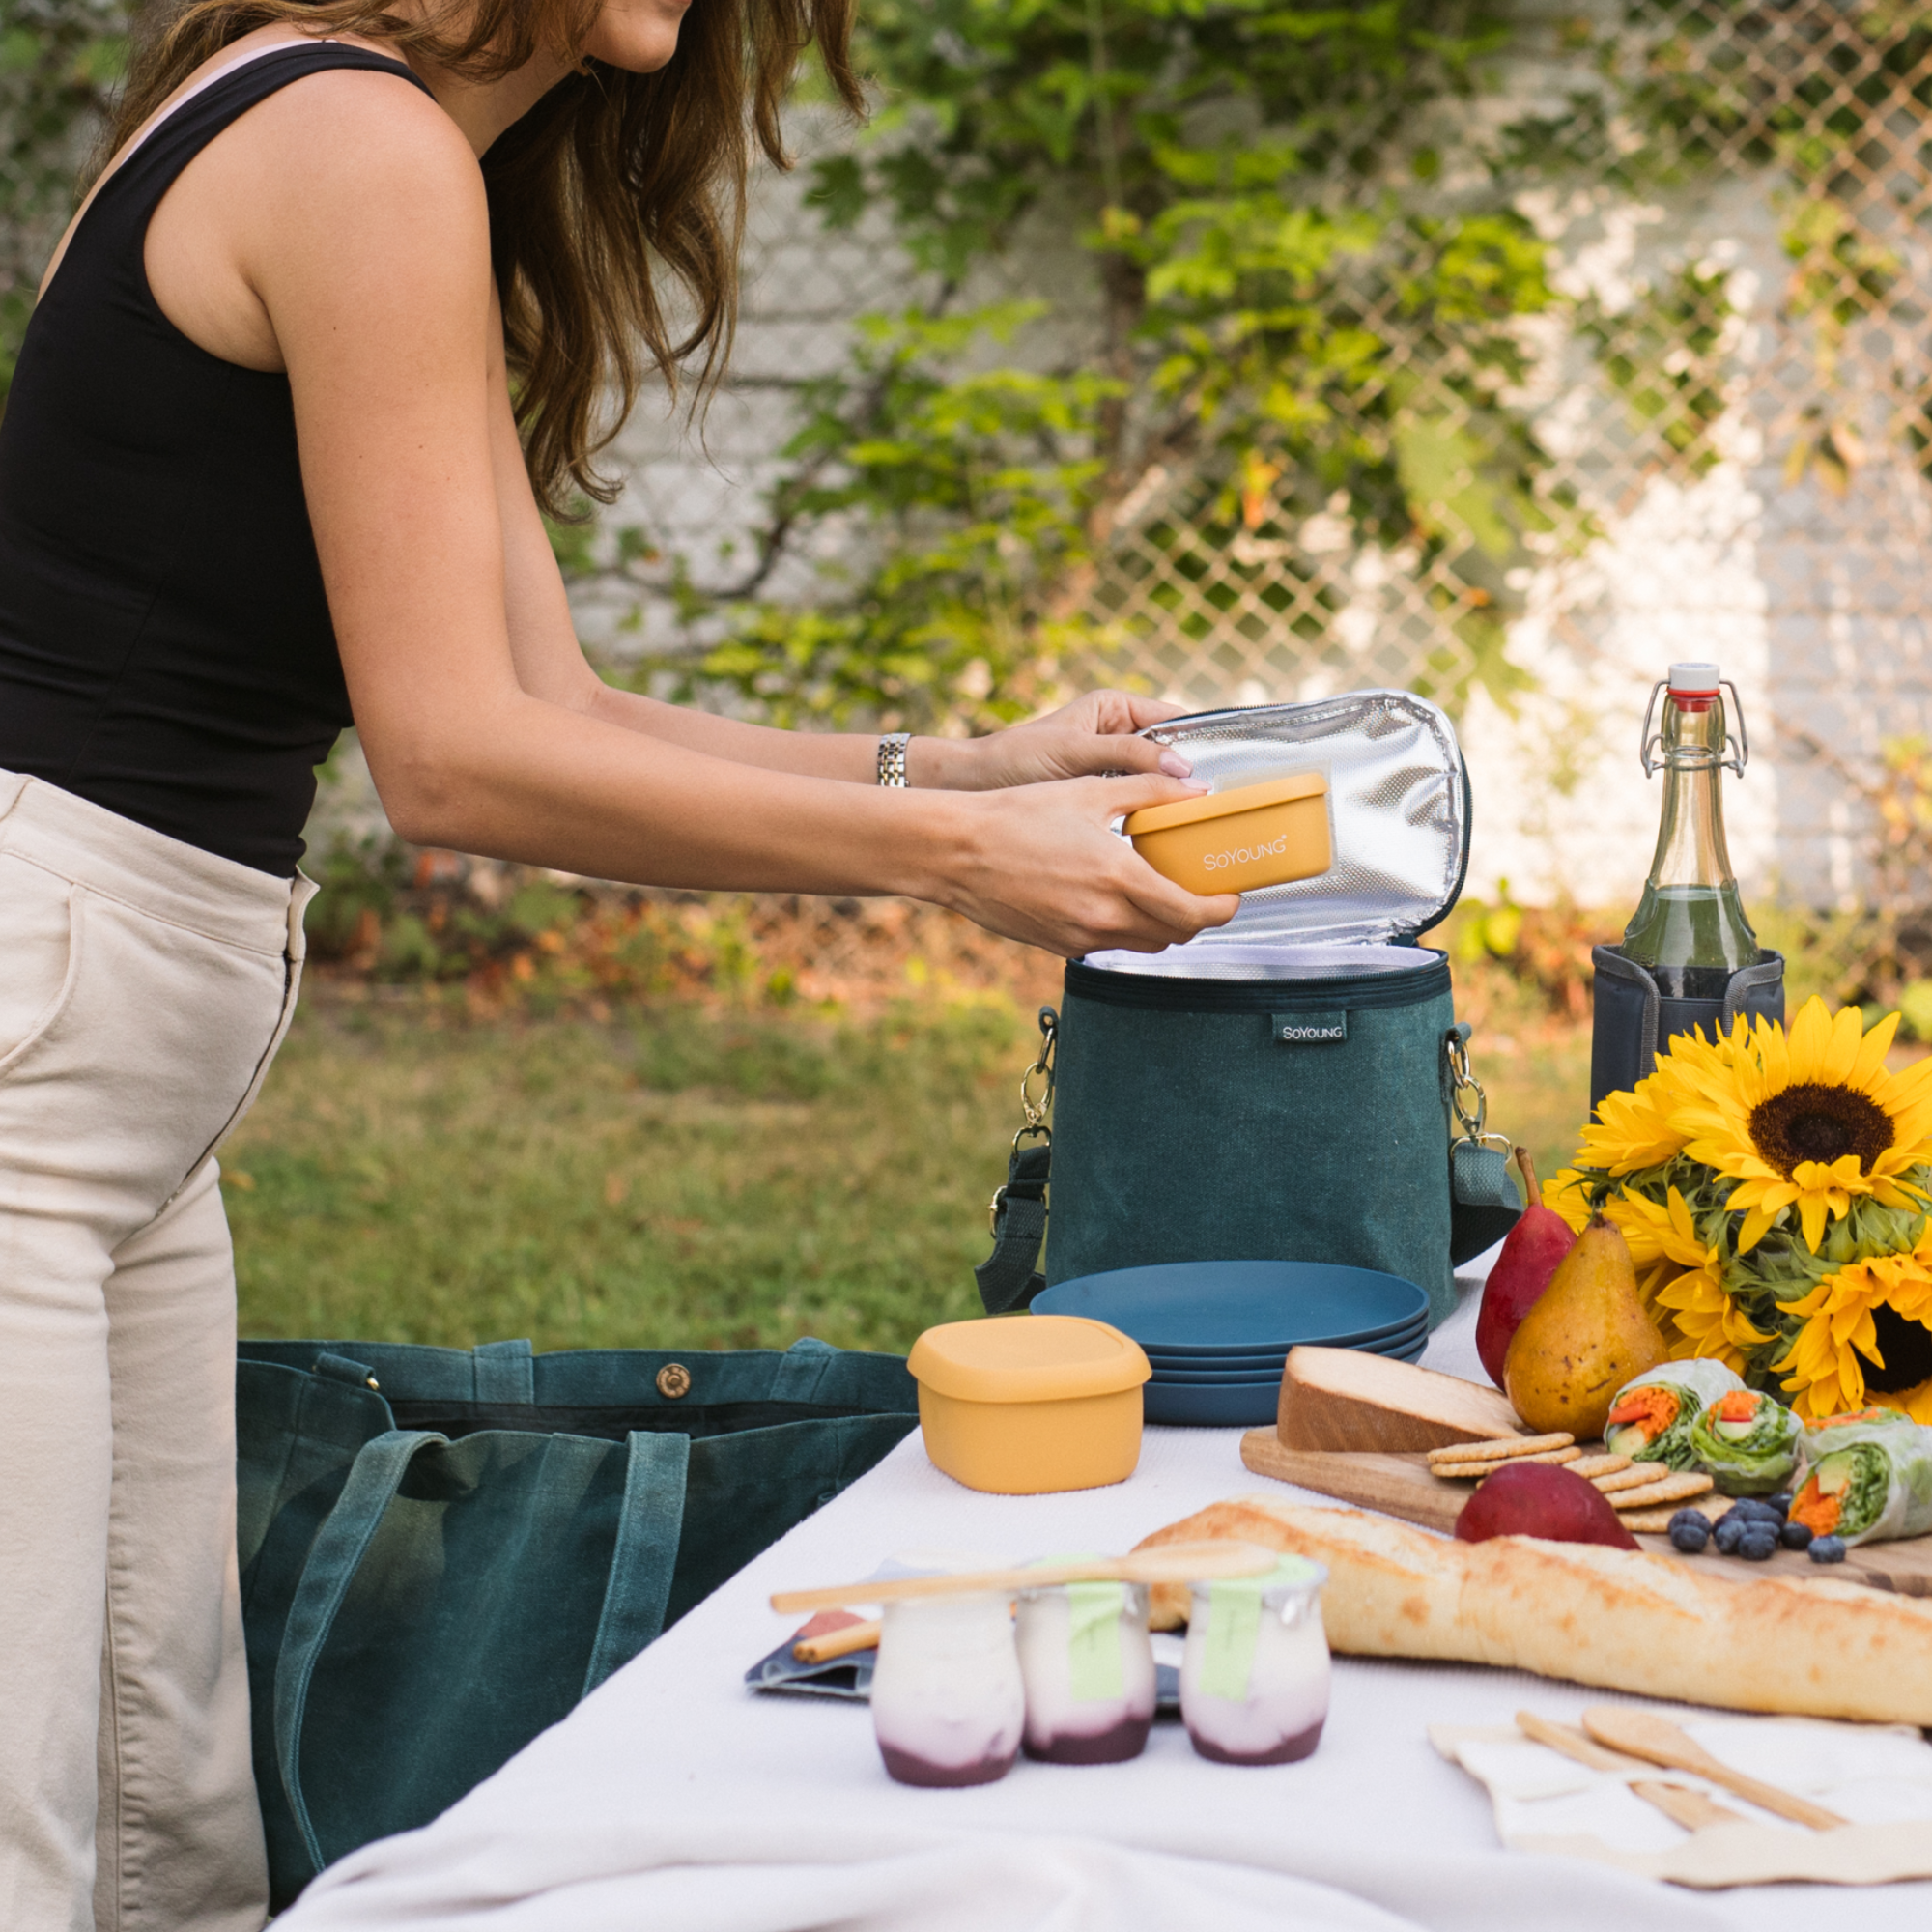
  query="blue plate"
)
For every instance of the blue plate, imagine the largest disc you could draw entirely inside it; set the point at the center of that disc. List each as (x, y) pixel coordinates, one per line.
(1262, 1358)
(1217, 1404)
(1242, 1308)
(1404, 1348)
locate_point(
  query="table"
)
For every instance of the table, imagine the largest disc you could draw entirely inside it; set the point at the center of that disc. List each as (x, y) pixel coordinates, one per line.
(674, 1798)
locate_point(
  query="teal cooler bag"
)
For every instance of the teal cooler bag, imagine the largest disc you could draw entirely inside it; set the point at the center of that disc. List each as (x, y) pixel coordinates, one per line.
(443, 1551)
(1292, 1086)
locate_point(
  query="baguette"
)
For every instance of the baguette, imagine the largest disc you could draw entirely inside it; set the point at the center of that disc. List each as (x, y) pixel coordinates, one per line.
(1622, 1619)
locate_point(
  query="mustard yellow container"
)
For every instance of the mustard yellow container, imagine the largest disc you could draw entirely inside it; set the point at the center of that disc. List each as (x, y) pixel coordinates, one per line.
(1023, 1405)
(1234, 841)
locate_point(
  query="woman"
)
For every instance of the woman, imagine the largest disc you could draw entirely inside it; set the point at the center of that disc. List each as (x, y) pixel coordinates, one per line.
(261, 472)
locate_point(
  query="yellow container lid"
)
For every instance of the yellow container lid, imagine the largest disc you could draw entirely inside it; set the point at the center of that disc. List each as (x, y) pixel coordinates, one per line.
(1027, 1358)
(1223, 803)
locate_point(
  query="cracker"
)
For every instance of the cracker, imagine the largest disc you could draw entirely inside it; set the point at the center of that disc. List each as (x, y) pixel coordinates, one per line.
(1657, 1522)
(1638, 1477)
(1595, 1468)
(1671, 1490)
(1505, 1449)
(1469, 1472)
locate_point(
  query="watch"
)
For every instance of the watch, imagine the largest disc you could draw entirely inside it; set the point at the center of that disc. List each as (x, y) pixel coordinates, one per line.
(892, 759)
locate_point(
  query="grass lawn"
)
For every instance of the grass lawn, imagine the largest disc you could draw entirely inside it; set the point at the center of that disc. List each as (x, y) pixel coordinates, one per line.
(675, 1178)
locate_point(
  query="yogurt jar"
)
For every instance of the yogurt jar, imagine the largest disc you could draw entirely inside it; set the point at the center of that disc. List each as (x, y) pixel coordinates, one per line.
(1254, 1681)
(948, 1704)
(1089, 1672)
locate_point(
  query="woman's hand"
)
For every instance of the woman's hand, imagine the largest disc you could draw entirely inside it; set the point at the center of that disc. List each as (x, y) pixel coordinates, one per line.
(1092, 735)
(1037, 862)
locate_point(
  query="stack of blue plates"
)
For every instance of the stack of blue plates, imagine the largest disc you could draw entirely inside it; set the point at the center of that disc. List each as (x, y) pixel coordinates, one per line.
(1218, 1333)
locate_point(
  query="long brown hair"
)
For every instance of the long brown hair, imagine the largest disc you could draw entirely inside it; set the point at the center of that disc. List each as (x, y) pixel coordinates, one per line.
(609, 177)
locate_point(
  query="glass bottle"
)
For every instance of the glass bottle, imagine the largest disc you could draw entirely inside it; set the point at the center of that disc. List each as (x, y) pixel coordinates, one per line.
(1690, 930)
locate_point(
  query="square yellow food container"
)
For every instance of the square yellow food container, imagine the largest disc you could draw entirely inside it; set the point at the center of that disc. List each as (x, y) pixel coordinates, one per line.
(1027, 1403)
(1234, 841)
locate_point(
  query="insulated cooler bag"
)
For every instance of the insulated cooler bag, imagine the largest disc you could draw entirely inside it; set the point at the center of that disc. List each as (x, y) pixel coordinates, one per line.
(443, 1550)
(1292, 1086)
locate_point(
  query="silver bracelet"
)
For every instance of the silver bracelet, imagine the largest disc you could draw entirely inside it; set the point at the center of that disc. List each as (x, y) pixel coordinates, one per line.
(892, 759)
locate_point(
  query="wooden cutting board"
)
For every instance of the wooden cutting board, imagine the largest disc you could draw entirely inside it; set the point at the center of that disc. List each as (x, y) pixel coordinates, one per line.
(1402, 1485)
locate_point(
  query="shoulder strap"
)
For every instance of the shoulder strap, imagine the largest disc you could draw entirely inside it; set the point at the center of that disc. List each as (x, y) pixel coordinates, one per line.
(1009, 1277)
(148, 169)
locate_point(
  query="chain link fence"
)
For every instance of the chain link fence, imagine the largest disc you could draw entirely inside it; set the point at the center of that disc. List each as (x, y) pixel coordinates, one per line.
(1746, 288)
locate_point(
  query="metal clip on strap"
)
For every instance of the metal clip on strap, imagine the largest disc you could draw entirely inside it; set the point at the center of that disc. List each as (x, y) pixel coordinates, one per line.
(1009, 1277)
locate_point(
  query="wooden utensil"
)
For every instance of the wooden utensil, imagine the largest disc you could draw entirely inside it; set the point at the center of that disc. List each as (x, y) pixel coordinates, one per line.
(1171, 1563)
(1690, 1808)
(1658, 1741)
(863, 1636)
(1573, 1744)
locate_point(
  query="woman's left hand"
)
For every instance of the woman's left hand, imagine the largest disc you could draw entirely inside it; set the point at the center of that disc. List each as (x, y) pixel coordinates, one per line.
(1093, 735)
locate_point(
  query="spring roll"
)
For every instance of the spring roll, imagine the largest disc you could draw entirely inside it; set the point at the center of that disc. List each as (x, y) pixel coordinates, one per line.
(1747, 1442)
(1649, 1420)
(1868, 1481)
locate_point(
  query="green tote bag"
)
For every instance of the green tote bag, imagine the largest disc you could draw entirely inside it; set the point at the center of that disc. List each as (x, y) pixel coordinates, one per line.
(443, 1551)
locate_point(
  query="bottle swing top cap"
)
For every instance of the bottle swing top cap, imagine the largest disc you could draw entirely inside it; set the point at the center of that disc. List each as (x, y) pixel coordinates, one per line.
(1693, 680)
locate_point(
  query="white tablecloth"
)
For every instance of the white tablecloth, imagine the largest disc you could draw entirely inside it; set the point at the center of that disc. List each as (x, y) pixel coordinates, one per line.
(674, 1797)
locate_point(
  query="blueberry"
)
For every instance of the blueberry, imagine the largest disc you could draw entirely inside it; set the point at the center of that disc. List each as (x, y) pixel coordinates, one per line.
(1754, 1509)
(1758, 1544)
(1690, 1531)
(1795, 1536)
(1728, 1534)
(1828, 1549)
(1781, 1503)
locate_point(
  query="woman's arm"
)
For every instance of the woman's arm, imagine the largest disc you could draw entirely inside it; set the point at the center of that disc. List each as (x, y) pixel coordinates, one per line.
(363, 232)
(1092, 734)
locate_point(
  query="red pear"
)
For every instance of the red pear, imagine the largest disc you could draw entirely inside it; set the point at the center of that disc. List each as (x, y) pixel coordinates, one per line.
(1532, 1250)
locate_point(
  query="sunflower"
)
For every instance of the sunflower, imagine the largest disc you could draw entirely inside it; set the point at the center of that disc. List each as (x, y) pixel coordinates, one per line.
(1809, 1121)
(1867, 1336)
(1686, 1287)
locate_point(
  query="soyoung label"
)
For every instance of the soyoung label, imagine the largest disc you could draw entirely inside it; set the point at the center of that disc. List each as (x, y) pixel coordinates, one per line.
(1245, 855)
(1310, 1028)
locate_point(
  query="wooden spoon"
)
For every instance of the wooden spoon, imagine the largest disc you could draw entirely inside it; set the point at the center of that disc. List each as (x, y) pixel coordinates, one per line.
(1171, 1563)
(1658, 1741)
(1677, 1801)
(1573, 1744)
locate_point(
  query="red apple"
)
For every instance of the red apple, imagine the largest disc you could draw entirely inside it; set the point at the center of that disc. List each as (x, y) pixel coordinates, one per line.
(1541, 1500)
(1532, 1250)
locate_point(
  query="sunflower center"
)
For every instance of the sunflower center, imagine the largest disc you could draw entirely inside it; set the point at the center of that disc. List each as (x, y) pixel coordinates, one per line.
(1814, 1121)
(1907, 1348)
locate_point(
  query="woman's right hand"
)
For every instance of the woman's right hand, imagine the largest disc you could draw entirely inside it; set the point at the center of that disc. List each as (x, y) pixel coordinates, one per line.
(1038, 864)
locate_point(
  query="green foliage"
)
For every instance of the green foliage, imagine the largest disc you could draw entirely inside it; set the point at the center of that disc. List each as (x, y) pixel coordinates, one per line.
(1287, 310)
(59, 60)
(1665, 356)
(976, 490)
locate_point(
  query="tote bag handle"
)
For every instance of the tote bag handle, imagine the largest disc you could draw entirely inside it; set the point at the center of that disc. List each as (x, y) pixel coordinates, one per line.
(646, 1553)
(636, 1594)
(333, 1559)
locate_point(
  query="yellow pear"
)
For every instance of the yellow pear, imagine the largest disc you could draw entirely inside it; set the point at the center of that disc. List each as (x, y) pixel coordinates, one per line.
(1586, 1336)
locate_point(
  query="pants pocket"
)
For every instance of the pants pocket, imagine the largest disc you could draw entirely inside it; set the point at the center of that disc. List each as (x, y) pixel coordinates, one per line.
(39, 954)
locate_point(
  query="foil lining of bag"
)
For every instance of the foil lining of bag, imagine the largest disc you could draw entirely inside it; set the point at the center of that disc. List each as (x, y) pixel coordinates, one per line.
(1398, 816)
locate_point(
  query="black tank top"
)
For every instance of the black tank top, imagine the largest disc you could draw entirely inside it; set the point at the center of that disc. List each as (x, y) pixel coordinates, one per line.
(166, 646)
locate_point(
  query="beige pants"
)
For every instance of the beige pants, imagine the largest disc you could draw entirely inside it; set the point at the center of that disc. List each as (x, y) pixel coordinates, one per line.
(144, 987)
